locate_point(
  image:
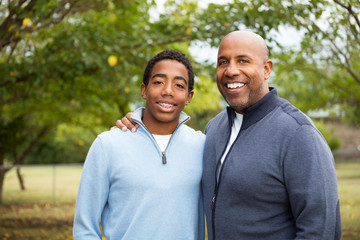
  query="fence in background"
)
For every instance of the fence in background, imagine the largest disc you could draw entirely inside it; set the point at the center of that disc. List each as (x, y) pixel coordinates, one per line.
(58, 183)
(45, 183)
(347, 154)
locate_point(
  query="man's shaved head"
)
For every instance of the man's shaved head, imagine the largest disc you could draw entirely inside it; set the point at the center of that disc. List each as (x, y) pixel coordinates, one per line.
(250, 37)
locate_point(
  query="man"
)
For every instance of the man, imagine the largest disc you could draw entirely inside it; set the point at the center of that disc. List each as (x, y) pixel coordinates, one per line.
(268, 173)
(147, 185)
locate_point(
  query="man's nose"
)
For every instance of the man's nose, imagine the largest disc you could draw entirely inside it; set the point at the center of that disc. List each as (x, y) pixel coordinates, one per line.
(232, 70)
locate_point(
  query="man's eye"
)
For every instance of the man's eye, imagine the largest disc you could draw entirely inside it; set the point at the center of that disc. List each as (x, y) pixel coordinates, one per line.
(243, 61)
(222, 62)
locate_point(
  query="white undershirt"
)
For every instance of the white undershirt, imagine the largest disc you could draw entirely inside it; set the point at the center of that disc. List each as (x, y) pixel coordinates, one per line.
(235, 129)
(162, 141)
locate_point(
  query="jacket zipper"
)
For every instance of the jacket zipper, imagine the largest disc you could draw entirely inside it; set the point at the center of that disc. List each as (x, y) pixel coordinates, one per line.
(218, 177)
(163, 156)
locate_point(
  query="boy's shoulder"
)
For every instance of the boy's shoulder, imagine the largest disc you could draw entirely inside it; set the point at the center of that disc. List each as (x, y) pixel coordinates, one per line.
(115, 135)
(190, 133)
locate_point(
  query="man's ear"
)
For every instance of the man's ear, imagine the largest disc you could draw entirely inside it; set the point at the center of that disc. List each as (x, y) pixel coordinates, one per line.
(143, 91)
(267, 69)
(189, 97)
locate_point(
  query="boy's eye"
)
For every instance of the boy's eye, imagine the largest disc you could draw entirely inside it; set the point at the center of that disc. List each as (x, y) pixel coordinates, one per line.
(157, 82)
(180, 86)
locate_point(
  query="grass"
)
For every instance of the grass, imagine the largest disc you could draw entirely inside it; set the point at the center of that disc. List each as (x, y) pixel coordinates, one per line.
(349, 192)
(43, 185)
(32, 214)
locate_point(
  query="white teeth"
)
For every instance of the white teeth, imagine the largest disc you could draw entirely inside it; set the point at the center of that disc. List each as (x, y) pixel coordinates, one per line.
(165, 105)
(235, 85)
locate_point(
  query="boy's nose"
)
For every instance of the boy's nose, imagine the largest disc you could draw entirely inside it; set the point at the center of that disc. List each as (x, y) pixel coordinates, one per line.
(168, 89)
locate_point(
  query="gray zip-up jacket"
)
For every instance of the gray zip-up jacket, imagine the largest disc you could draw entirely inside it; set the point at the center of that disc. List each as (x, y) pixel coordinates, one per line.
(278, 180)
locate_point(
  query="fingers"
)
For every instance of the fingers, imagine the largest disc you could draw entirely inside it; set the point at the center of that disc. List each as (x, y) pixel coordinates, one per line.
(128, 123)
(120, 125)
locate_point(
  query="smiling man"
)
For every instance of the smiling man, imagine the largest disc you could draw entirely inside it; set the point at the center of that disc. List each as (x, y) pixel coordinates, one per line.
(268, 173)
(146, 185)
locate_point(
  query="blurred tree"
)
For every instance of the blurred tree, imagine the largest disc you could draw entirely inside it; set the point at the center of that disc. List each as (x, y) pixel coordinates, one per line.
(75, 64)
(323, 73)
(322, 70)
(21, 90)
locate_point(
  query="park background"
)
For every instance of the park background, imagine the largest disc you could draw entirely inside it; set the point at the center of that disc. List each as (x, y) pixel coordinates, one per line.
(70, 68)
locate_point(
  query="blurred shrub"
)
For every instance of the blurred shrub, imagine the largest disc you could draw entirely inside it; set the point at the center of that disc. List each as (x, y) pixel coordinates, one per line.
(328, 133)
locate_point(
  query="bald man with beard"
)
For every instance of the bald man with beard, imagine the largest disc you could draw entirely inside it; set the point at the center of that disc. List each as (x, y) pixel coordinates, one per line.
(268, 173)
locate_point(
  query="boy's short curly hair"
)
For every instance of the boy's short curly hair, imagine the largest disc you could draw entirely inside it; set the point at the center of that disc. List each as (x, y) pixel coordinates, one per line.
(172, 55)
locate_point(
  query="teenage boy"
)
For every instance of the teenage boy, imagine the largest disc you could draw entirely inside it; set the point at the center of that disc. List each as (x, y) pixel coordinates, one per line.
(147, 185)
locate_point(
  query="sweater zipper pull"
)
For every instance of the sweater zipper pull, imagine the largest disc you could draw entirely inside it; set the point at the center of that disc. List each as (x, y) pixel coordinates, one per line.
(163, 158)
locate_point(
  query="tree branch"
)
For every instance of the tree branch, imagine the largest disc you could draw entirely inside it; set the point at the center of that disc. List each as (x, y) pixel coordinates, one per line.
(347, 66)
(41, 133)
(14, 99)
(325, 76)
(350, 11)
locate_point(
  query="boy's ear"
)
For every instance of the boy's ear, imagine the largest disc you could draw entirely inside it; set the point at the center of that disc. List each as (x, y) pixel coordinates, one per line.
(143, 91)
(189, 97)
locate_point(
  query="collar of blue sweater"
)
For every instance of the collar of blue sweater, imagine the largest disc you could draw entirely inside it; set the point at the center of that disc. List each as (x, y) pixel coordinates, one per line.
(138, 114)
(257, 111)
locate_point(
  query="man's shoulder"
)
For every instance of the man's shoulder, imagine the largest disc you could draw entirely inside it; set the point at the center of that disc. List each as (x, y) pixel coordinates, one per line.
(291, 112)
(219, 117)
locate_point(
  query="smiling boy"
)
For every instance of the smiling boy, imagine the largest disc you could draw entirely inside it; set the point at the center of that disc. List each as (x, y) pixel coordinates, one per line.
(147, 185)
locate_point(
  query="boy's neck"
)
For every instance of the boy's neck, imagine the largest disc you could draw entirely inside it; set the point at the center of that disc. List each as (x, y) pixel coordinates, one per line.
(157, 127)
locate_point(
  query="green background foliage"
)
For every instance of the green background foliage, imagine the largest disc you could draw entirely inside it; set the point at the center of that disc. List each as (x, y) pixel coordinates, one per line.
(58, 90)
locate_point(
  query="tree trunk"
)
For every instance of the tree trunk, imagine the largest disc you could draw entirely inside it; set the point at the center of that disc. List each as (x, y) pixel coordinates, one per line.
(2, 178)
(21, 180)
(2, 171)
(19, 159)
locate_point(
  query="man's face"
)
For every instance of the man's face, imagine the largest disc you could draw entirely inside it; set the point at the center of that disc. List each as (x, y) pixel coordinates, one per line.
(166, 93)
(242, 71)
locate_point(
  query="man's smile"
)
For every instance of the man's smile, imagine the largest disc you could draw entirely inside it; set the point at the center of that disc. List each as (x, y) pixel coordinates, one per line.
(234, 85)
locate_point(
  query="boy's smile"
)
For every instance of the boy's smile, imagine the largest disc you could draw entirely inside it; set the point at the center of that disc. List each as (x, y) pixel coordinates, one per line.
(166, 96)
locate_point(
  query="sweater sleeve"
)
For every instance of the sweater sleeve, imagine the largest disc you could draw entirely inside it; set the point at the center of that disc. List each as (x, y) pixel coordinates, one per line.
(311, 182)
(92, 194)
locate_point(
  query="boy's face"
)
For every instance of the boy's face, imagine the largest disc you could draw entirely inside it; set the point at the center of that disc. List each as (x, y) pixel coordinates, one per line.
(166, 95)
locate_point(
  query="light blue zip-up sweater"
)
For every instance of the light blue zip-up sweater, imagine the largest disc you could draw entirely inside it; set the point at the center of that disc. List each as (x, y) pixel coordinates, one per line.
(125, 186)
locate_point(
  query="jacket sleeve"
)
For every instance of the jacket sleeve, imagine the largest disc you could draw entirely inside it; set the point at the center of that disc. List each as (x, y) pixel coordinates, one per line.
(92, 194)
(201, 214)
(311, 182)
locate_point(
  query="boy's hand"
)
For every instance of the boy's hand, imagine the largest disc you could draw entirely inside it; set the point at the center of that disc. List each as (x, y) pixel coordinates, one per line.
(126, 123)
